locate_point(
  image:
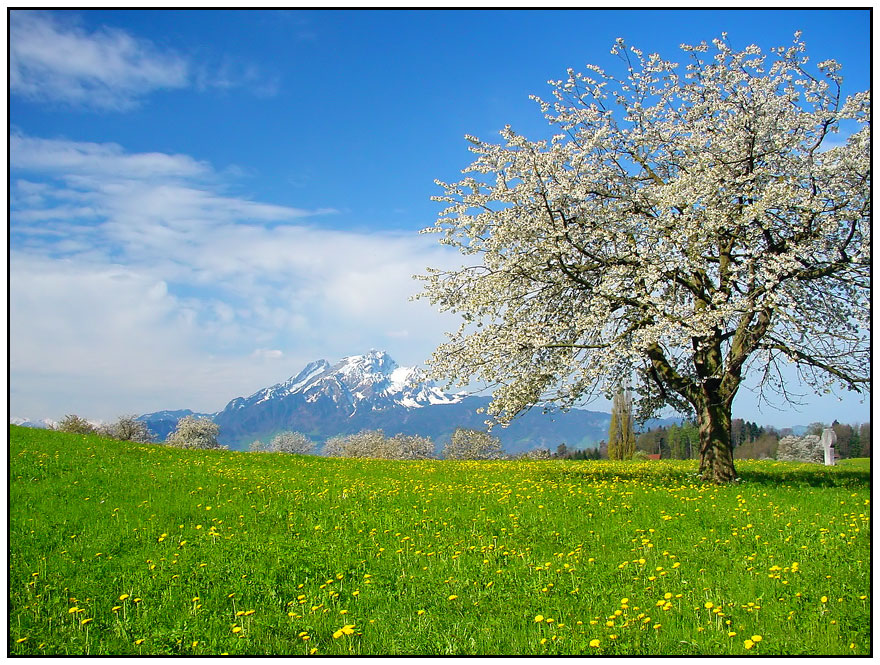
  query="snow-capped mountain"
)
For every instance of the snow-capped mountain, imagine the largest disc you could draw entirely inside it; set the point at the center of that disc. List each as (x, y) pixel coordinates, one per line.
(372, 381)
(371, 391)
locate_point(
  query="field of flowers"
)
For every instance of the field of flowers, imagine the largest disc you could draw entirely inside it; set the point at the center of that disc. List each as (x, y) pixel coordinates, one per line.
(121, 548)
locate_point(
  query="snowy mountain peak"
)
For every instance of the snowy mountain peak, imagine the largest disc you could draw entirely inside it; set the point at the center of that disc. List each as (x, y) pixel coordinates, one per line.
(309, 371)
(375, 365)
(372, 381)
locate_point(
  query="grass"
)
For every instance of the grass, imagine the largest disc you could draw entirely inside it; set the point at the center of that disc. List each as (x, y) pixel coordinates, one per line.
(120, 548)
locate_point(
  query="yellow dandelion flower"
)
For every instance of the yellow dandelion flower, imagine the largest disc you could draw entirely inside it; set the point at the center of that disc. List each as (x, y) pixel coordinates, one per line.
(748, 644)
(19, 641)
(140, 641)
(823, 599)
(756, 638)
(85, 621)
(539, 618)
(195, 644)
(452, 597)
(595, 644)
(709, 605)
(123, 596)
(72, 610)
(236, 629)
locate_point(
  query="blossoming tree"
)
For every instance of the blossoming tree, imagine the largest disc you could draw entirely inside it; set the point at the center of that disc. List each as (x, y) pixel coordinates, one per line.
(687, 226)
(295, 443)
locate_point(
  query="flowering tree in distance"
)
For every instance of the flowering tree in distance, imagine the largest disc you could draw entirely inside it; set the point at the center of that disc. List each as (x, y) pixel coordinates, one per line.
(686, 226)
(192, 432)
(472, 444)
(295, 443)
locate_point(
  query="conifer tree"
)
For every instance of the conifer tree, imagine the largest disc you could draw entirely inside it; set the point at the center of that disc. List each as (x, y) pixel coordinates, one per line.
(621, 433)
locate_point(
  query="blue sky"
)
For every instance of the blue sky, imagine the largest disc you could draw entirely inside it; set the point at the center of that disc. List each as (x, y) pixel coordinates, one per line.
(205, 201)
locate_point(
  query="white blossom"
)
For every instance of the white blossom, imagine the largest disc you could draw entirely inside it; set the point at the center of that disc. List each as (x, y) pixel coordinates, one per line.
(800, 449)
(192, 432)
(472, 444)
(374, 444)
(686, 224)
(294, 443)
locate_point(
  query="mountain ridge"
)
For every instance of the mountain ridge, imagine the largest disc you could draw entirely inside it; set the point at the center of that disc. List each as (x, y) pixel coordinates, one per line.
(371, 391)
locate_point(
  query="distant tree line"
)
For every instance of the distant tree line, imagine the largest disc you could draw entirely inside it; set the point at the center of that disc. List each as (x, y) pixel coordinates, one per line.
(677, 441)
(126, 428)
(750, 440)
(465, 444)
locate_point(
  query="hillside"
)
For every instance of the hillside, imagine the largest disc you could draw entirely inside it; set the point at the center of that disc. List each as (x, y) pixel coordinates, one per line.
(126, 549)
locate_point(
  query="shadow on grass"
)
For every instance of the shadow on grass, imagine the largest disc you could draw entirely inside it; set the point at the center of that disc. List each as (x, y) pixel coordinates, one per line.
(819, 477)
(749, 473)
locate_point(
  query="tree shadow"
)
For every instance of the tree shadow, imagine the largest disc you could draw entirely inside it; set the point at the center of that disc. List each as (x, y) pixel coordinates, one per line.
(775, 476)
(820, 477)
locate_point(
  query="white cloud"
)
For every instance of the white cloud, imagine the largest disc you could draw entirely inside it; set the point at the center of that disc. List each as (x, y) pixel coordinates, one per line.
(81, 158)
(139, 283)
(267, 354)
(54, 59)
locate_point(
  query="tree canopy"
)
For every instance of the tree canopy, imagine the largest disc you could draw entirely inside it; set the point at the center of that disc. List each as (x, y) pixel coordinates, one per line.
(686, 225)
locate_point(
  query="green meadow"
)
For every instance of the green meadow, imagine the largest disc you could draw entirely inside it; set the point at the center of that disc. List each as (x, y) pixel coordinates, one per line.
(122, 548)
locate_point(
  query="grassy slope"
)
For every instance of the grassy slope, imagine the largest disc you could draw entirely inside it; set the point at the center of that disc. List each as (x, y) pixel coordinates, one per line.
(267, 554)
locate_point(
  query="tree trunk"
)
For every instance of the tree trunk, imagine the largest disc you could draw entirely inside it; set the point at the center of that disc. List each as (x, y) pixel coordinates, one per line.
(716, 451)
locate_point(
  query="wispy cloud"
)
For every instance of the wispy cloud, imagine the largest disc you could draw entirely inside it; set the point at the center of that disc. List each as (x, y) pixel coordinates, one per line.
(57, 60)
(143, 271)
(72, 158)
(230, 74)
